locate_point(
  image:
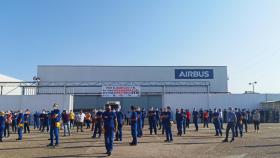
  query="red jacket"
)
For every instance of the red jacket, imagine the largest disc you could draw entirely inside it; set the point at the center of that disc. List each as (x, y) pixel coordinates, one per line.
(188, 115)
(206, 115)
(9, 118)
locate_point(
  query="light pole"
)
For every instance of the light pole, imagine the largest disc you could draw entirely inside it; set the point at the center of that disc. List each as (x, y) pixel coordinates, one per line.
(253, 85)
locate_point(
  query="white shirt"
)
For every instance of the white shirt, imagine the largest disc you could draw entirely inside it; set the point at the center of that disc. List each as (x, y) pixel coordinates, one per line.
(220, 114)
(81, 117)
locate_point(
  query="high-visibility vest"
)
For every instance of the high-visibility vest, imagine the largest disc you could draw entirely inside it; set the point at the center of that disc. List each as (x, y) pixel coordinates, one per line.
(72, 116)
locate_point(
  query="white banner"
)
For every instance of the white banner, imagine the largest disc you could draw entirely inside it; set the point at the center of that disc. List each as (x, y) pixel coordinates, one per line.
(120, 91)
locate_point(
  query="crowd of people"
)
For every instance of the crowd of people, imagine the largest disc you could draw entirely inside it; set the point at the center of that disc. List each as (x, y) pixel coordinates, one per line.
(110, 122)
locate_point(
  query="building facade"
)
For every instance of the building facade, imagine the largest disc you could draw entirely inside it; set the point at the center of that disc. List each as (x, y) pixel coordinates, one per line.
(87, 83)
(90, 87)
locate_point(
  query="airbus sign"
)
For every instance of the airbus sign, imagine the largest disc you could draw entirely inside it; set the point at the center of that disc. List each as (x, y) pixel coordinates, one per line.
(194, 74)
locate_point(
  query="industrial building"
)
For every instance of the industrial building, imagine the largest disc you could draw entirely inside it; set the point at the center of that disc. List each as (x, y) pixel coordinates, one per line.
(87, 83)
(89, 87)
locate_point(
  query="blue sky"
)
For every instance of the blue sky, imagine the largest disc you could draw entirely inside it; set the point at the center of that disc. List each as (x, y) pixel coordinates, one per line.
(241, 34)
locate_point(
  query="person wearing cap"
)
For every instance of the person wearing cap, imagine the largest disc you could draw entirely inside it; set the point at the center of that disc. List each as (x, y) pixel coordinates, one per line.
(231, 122)
(72, 118)
(206, 118)
(120, 119)
(245, 119)
(8, 124)
(195, 115)
(87, 120)
(179, 122)
(41, 119)
(157, 117)
(26, 119)
(168, 124)
(98, 124)
(66, 122)
(20, 124)
(217, 123)
(80, 121)
(110, 126)
(14, 122)
(45, 121)
(239, 123)
(2, 124)
(256, 120)
(133, 123)
(152, 121)
(55, 126)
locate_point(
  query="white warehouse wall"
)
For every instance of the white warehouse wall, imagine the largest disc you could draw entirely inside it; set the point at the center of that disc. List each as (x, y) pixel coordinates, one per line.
(56, 73)
(35, 102)
(15, 90)
(190, 101)
(10, 90)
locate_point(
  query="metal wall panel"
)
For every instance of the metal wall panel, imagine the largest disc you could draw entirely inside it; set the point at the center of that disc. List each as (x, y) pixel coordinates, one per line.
(129, 74)
(186, 89)
(97, 90)
(205, 101)
(35, 102)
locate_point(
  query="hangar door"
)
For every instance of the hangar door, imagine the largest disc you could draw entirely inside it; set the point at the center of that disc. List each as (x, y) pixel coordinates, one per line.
(88, 102)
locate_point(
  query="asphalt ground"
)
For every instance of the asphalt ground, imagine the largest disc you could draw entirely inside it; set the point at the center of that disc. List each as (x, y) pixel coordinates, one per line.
(266, 143)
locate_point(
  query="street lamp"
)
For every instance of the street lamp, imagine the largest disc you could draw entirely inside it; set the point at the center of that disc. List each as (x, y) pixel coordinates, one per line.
(253, 85)
(37, 79)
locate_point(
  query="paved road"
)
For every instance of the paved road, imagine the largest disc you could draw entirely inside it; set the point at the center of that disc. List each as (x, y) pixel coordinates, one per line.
(193, 144)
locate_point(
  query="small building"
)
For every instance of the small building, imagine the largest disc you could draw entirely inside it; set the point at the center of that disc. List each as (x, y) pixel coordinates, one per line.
(272, 111)
(271, 105)
(10, 85)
